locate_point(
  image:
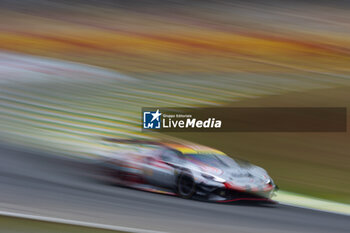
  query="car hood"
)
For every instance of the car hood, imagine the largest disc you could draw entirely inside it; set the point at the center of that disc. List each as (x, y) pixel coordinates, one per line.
(245, 177)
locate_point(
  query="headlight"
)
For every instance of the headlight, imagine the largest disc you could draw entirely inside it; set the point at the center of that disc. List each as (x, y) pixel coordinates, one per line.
(214, 178)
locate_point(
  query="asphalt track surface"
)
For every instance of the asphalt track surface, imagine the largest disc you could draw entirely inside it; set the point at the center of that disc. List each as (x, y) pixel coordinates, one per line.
(52, 186)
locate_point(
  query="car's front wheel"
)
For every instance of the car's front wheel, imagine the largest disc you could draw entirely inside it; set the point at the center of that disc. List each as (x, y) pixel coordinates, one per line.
(186, 186)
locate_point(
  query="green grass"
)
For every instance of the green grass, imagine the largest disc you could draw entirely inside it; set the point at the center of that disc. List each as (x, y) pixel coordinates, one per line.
(20, 225)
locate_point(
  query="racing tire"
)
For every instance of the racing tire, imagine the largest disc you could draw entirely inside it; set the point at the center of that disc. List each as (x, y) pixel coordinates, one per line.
(186, 186)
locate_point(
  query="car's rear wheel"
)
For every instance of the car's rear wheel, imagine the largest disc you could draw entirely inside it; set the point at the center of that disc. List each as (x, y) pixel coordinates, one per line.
(186, 185)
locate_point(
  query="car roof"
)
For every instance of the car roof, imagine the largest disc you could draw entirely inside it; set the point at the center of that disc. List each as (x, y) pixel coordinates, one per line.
(181, 146)
(192, 148)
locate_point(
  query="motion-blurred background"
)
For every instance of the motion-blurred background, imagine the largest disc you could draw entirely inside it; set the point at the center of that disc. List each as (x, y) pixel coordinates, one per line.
(73, 71)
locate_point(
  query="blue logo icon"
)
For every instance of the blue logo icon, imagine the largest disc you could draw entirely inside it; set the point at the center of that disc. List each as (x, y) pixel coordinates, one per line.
(151, 120)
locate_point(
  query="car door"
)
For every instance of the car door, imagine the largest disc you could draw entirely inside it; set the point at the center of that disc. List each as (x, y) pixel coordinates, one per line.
(161, 168)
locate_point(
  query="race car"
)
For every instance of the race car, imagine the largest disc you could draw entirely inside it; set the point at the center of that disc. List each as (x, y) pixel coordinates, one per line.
(186, 170)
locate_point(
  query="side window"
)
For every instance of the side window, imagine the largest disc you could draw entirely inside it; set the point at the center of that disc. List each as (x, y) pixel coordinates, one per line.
(170, 156)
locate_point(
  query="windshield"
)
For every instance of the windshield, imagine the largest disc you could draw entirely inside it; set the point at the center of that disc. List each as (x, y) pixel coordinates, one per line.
(216, 160)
